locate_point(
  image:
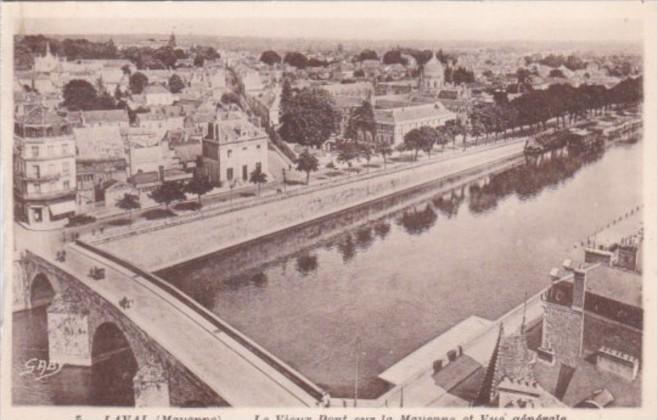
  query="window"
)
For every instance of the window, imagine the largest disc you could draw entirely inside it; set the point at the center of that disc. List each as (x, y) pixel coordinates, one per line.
(51, 169)
(35, 151)
(65, 169)
(51, 150)
(245, 174)
(66, 184)
(258, 147)
(37, 214)
(229, 174)
(229, 152)
(65, 149)
(258, 167)
(37, 188)
(36, 171)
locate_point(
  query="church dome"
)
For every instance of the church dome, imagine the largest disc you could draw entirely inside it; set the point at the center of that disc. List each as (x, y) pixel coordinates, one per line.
(433, 68)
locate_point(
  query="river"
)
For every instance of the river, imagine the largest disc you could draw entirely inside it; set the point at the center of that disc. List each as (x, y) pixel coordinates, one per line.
(393, 283)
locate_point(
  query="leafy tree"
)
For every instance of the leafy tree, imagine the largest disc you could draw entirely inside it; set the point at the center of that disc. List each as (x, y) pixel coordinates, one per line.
(258, 177)
(199, 186)
(430, 137)
(230, 98)
(167, 192)
(129, 202)
(176, 84)
(347, 152)
(524, 79)
(461, 75)
(421, 56)
(286, 98)
(366, 150)
(180, 54)
(126, 69)
(138, 82)
(443, 135)
(418, 139)
(384, 149)
(394, 57)
(310, 118)
(361, 123)
(296, 59)
(270, 57)
(308, 163)
(314, 62)
(80, 95)
(556, 73)
(166, 56)
(359, 73)
(199, 60)
(367, 55)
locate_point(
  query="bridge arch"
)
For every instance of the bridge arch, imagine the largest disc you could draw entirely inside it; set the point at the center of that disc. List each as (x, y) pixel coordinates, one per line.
(42, 290)
(114, 365)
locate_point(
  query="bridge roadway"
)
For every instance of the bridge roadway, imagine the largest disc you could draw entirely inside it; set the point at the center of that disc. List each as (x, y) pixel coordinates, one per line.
(232, 366)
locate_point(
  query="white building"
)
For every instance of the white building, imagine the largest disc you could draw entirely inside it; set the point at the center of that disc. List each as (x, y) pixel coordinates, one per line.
(232, 150)
(158, 95)
(393, 123)
(44, 169)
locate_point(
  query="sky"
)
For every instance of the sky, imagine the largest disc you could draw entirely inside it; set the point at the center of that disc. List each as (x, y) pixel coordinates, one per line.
(599, 21)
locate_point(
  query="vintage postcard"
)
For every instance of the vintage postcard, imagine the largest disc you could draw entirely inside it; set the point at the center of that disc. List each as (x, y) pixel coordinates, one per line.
(329, 210)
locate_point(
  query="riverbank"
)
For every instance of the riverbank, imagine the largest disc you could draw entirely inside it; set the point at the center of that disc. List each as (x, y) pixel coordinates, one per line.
(182, 240)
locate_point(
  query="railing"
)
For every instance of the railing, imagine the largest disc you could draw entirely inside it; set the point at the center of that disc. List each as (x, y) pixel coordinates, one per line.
(208, 316)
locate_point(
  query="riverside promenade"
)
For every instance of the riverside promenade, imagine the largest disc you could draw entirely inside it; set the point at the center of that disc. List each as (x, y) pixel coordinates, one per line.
(179, 240)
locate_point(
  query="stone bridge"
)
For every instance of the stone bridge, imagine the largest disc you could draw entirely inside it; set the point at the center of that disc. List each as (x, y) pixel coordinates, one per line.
(171, 353)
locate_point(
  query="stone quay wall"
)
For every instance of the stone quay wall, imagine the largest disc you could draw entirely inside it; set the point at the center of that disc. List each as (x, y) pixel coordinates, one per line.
(175, 242)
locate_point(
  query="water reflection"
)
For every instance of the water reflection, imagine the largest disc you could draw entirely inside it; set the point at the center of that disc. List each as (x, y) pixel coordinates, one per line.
(306, 263)
(528, 180)
(364, 237)
(259, 279)
(380, 268)
(382, 229)
(347, 248)
(417, 221)
(449, 207)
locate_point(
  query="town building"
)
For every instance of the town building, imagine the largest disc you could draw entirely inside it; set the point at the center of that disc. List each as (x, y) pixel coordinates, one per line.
(44, 168)
(105, 118)
(233, 148)
(158, 95)
(101, 157)
(393, 123)
(432, 77)
(587, 351)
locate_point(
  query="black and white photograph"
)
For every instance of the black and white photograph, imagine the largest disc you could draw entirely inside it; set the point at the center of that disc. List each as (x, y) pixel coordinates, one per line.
(426, 211)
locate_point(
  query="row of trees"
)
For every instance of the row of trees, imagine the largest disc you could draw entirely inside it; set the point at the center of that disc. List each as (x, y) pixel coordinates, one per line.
(80, 95)
(163, 57)
(560, 101)
(572, 62)
(169, 192)
(395, 56)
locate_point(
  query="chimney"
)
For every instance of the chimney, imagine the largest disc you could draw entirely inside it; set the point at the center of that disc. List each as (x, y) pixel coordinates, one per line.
(579, 279)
